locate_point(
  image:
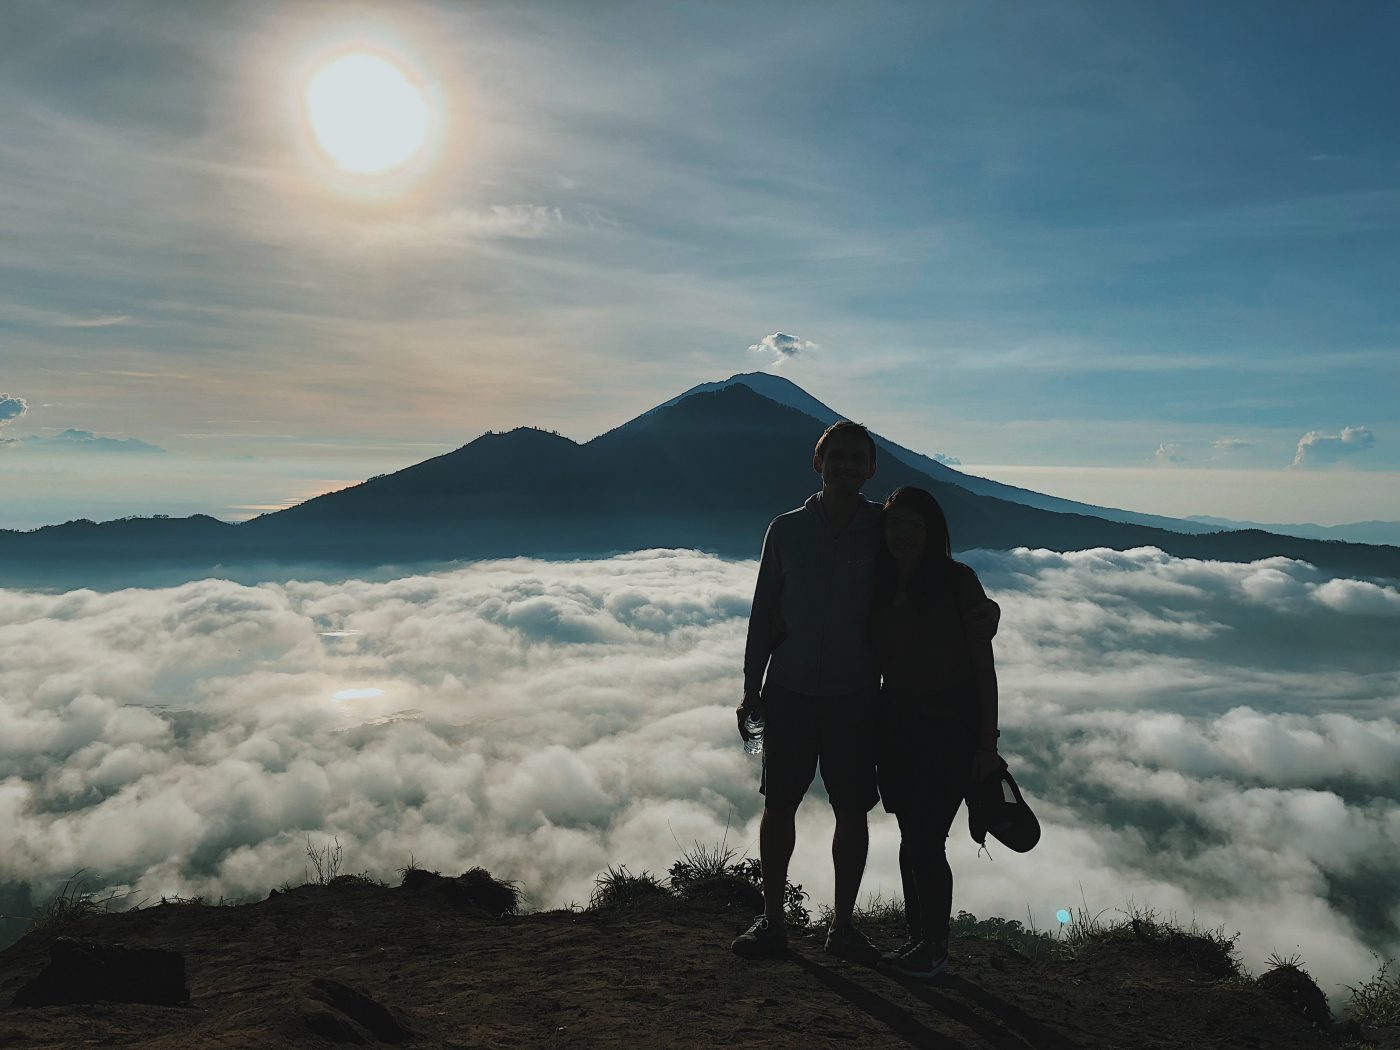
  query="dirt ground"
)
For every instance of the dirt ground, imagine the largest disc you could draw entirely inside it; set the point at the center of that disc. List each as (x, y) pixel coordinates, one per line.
(656, 974)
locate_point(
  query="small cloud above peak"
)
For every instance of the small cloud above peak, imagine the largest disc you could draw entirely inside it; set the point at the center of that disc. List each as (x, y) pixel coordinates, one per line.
(1318, 449)
(782, 346)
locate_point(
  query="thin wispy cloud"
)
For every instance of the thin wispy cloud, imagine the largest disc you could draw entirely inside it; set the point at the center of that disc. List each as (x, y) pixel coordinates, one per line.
(1168, 453)
(105, 321)
(1227, 445)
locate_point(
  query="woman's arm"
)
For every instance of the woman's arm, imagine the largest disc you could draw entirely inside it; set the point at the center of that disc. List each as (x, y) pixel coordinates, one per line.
(984, 672)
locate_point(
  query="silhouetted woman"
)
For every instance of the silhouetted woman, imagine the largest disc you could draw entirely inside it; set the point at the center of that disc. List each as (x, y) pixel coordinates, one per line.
(938, 710)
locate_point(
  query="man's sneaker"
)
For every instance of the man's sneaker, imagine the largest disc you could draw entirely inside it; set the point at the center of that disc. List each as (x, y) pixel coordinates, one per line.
(850, 944)
(761, 941)
(924, 961)
(910, 943)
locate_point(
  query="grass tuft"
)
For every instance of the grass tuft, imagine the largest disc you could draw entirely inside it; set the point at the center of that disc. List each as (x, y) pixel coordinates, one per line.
(702, 862)
(70, 904)
(1210, 950)
(1376, 1001)
(618, 888)
(883, 911)
(701, 865)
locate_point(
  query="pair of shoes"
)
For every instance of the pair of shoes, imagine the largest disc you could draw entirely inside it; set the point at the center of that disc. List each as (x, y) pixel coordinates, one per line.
(910, 943)
(925, 960)
(762, 940)
(850, 944)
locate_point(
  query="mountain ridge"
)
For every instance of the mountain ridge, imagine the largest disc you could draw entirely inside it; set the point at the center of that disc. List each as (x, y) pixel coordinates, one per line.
(784, 391)
(707, 471)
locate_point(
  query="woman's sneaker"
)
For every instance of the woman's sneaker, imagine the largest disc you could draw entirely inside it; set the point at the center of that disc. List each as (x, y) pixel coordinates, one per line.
(762, 940)
(924, 961)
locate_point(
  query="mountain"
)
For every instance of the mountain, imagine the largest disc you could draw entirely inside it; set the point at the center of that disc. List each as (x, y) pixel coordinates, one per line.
(706, 471)
(74, 440)
(786, 392)
(1383, 532)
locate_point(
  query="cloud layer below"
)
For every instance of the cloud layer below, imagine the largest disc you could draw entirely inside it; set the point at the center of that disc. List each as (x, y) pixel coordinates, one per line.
(1219, 741)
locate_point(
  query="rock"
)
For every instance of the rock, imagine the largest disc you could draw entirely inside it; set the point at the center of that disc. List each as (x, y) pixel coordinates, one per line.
(333, 1004)
(331, 1026)
(89, 972)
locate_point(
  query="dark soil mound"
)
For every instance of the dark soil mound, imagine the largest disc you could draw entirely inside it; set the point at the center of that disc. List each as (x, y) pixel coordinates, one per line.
(1294, 986)
(474, 889)
(725, 892)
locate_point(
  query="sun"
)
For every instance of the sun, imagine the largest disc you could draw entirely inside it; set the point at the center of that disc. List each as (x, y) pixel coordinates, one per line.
(366, 114)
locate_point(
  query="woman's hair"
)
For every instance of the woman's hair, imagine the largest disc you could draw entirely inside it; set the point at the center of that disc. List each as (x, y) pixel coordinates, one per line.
(930, 572)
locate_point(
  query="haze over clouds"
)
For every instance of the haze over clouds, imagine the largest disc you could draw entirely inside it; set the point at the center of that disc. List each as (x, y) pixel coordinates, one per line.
(1214, 739)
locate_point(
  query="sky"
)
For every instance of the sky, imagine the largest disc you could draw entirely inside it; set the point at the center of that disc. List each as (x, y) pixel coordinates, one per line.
(1214, 741)
(1144, 255)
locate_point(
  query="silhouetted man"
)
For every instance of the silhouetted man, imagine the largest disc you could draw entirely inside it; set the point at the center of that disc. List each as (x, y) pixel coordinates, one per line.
(808, 632)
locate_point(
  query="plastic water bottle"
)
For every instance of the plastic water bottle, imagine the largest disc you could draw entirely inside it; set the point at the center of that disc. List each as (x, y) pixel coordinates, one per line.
(753, 726)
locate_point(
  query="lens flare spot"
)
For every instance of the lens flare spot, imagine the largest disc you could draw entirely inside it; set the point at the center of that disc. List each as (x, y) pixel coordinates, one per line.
(1063, 916)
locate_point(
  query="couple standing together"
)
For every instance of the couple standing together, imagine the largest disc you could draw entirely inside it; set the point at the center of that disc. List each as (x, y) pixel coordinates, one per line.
(878, 659)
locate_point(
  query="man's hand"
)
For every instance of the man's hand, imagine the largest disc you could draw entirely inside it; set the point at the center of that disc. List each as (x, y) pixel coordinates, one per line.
(982, 620)
(751, 705)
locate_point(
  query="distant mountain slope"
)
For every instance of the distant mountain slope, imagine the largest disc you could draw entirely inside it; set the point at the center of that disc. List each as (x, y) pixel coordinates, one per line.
(1384, 532)
(707, 471)
(785, 392)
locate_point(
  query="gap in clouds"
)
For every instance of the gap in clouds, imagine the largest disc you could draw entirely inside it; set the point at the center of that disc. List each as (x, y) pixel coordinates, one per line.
(1211, 739)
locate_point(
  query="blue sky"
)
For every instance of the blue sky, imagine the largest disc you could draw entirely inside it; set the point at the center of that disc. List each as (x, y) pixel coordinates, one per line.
(1125, 253)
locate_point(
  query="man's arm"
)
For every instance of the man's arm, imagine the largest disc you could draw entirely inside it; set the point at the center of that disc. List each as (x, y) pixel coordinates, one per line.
(763, 617)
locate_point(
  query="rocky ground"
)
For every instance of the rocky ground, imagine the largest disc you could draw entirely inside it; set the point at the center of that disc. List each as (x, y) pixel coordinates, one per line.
(428, 965)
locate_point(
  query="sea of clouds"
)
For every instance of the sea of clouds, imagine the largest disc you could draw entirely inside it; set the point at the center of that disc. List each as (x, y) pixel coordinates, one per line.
(1213, 740)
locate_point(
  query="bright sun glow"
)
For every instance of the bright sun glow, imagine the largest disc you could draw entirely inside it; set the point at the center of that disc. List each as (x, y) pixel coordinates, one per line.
(366, 114)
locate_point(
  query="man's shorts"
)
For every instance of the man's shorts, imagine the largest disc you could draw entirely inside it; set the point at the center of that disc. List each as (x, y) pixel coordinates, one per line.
(839, 733)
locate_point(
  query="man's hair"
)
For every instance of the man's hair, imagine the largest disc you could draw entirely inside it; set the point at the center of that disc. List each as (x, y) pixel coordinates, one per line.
(844, 426)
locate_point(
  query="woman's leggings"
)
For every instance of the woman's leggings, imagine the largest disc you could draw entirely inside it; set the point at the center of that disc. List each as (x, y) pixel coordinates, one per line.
(923, 865)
